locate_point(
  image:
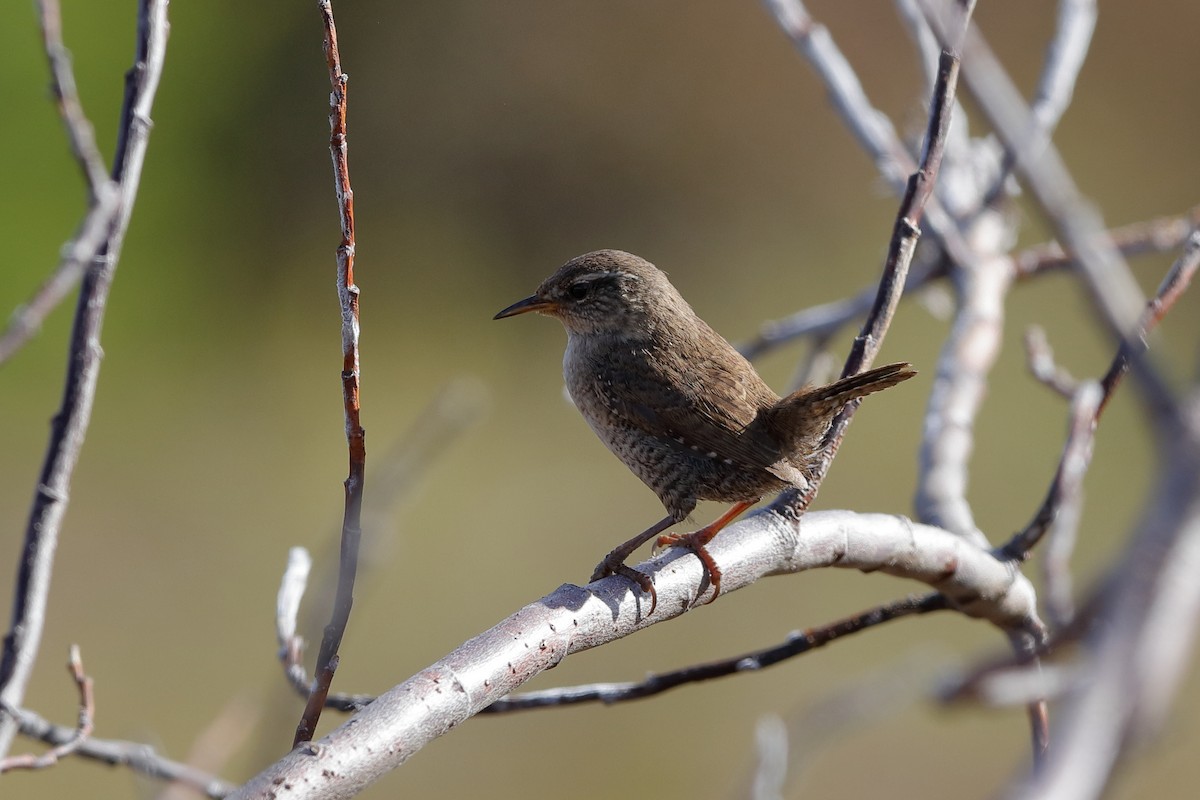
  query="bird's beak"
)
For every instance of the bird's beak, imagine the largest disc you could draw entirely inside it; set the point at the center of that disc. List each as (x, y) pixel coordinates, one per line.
(533, 303)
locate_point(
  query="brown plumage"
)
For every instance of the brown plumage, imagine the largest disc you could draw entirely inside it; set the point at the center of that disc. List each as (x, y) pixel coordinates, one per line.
(676, 402)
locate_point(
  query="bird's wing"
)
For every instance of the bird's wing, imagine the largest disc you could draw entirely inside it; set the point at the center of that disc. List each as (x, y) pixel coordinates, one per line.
(704, 404)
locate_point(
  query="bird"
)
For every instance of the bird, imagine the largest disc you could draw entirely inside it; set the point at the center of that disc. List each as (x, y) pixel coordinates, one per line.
(678, 404)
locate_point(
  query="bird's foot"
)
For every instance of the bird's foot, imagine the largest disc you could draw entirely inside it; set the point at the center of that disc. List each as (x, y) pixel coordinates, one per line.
(696, 542)
(614, 564)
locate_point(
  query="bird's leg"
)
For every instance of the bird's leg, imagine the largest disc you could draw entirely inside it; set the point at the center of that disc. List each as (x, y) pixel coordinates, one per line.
(696, 541)
(614, 562)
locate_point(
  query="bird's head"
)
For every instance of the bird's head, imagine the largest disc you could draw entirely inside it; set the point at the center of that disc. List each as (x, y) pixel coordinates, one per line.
(606, 291)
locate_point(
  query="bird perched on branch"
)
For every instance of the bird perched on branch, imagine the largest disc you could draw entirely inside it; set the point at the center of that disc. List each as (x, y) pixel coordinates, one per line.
(677, 403)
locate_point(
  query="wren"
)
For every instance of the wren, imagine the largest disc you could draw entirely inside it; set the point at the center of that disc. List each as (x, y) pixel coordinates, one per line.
(677, 403)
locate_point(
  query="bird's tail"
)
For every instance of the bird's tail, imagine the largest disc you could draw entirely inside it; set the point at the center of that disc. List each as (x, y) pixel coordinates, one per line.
(804, 415)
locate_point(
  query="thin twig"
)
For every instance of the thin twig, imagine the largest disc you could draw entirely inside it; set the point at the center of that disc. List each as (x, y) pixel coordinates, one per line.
(102, 191)
(139, 757)
(70, 424)
(1141, 238)
(1068, 500)
(291, 645)
(796, 644)
(327, 657)
(1065, 55)
(1177, 280)
(903, 244)
(1076, 223)
(870, 126)
(1039, 357)
(824, 321)
(83, 727)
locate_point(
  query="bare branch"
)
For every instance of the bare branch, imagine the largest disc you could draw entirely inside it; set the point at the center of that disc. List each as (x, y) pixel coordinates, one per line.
(69, 426)
(900, 252)
(1141, 238)
(1177, 280)
(796, 644)
(1039, 357)
(959, 385)
(140, 758)
(83, 727)
(1064, 60)
(1077, 224)
(870, 126)
(824, 321)
(1133, 663)
(1066, 497)
(102, 191)
(573, 619)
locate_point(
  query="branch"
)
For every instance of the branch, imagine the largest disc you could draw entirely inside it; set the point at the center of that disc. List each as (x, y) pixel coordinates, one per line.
(1066, 498)
(327, 657)
(1177, 280)
(870, 126)
(1076, 223)
(70, 424)
(1141, 238)
(102, 191)
(400, 722)
(796, 644)
(1136, 657)
(83, 727)
(139, 757)
(903, 244)
(1064, 60)
(824, 321)
(1039, 357)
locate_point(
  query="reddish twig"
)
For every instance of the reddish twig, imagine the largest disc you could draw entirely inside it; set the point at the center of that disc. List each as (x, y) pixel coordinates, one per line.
(70, 424)
(83, 726)
(327, 657)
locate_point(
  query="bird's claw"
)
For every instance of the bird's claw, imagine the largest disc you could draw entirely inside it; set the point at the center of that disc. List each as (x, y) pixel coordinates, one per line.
(644, 582)
(695, 542)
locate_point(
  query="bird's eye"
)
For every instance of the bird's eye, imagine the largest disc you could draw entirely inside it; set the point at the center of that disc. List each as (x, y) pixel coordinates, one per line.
(578, 291)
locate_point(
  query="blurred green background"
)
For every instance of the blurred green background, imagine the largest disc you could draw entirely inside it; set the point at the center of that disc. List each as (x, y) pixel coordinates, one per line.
(489, 142)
